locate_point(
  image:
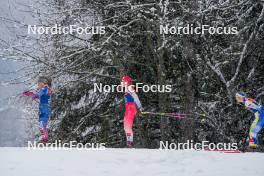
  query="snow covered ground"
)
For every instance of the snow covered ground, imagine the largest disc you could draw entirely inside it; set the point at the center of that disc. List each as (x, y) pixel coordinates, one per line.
(126, 162)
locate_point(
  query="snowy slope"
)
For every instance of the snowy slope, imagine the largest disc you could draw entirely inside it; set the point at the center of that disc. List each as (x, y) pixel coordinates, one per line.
(126, 162)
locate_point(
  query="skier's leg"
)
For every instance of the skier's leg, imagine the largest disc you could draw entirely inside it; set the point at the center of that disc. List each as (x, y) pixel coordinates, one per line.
(254, 129)
(43, 122)
(128, 122)
(46, 135)
(42, 130)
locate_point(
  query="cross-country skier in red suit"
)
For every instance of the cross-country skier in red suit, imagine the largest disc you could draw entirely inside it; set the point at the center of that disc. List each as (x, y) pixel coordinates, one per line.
(132, 103)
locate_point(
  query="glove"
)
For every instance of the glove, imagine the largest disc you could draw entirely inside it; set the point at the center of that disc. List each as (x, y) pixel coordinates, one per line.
(28, 94)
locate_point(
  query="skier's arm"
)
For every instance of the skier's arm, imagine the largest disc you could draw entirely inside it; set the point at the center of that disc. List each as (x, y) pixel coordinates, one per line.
(29, 94)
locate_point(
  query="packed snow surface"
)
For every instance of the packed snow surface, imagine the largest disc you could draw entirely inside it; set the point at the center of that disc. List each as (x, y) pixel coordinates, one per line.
(128, 162)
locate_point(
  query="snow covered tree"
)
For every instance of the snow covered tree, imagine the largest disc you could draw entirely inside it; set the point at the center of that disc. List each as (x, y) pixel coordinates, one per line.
(205, 70)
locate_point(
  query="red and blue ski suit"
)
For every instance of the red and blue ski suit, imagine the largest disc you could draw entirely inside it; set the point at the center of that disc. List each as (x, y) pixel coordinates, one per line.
(44, 96)
(132, 103)
(258, 123)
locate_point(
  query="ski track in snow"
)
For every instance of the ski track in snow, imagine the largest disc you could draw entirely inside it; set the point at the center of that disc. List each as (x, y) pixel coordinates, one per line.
(128, 162)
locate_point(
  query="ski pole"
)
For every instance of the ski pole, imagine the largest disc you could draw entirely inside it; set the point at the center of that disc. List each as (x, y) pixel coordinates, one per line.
(175, 115)
(179, 116)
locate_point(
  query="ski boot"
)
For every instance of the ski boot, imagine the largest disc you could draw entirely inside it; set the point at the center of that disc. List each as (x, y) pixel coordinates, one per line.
(129, 144)
(252, 144)
(44, 135)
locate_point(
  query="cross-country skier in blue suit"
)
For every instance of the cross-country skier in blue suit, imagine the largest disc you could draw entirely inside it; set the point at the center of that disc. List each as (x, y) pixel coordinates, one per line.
(258, 111)
(44, 96)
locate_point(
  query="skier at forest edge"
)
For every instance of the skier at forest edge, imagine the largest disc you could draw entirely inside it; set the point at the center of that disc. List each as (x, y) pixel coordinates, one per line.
(258, 111)
(132, 103)
(44, 96)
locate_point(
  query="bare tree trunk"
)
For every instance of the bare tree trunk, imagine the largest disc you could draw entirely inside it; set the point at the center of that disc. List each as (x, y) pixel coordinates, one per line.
(159, 62)
(188, 123)
(162, 98)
